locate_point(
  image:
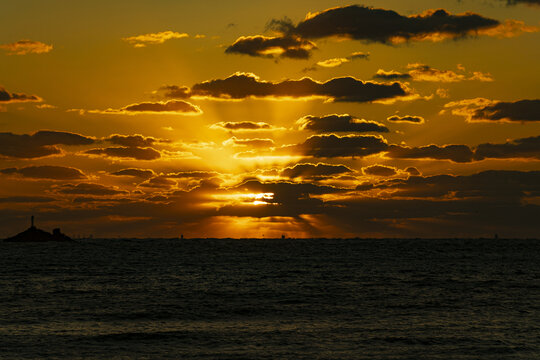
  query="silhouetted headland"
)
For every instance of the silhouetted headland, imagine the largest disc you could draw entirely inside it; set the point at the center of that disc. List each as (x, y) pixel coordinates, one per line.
(33, 234)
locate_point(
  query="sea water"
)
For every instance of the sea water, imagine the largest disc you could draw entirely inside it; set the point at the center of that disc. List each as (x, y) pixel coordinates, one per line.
(271, 299)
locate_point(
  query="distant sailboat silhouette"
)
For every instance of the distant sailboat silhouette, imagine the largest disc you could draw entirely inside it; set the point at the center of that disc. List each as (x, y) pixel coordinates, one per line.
(33, 234)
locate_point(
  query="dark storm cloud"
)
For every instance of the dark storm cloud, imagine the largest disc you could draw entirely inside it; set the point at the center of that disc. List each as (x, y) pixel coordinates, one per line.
(314, 170)
(242, 126)
(339, 123)
(7, 97)
(46, 172)
(384, 26)
(379, 170)
(39, 144)
(136, 153)
(138, 173)
(518, 148)
(522, 110)
(292, 47)
(88, 189)
(406, 119)
(245, 85)
(338, 146)
(455, 153)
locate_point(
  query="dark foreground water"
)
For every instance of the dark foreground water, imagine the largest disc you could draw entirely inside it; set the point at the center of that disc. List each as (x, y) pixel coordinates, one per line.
(271, 299)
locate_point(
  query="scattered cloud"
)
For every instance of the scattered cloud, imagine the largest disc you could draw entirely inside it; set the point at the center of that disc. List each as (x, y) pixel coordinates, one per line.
(24, 47)
(336, 62)
(518, 148)
(308, 170)
(135, 153)
(137, 173)
(329, 146)
(171, 107)
(391, 75)
(40, 144)
(481, 109)
(7, 97)
(46, 172)
(88, 189)
(291, 47)
(379, 170)
(388, 27)
(140, 41)
(247, 85)
(338, 123)
(133, 140)
(455, 153)
(423, 72)
(412, 119)
(254, 143)
(242, 126)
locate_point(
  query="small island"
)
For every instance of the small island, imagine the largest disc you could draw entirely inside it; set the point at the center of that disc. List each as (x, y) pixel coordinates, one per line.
(33, 234)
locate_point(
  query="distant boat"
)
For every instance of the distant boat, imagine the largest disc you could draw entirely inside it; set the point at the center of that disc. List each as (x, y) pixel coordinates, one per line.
(33, 234)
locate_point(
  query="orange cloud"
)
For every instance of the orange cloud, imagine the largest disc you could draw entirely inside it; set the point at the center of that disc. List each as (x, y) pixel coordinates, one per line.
(23, 47)
(139, 41)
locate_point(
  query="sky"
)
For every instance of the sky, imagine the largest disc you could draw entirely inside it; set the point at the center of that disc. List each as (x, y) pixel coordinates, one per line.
(388, 118)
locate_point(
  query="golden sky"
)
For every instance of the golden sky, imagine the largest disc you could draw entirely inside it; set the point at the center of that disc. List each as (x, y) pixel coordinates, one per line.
(250, 118)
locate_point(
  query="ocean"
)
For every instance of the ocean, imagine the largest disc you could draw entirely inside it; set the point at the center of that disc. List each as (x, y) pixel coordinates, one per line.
(271, 299)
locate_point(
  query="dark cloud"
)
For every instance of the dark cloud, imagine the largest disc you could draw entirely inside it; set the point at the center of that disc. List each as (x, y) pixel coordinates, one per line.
(136, 153)
(88, 189)
(384, 26)
(172, 106)
(406, 118)
(338, 146)
(39, 144)
(455, 153)
(133, 140)
(522, 110)
(7, 97)
(46, 172)
(26, 199)
(138, 173)
(527, 2)
(338, 123)
(314, 170)
(175, 91)
(379, 170)
(292, 47)
(518, 148)
(242, 126)
(490, 184)
(245, 85)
